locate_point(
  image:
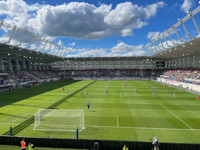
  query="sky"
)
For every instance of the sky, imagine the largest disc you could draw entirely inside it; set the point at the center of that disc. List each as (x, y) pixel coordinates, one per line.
(94, 28)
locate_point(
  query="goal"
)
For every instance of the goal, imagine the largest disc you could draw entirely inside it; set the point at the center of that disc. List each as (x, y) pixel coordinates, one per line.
(59, 120)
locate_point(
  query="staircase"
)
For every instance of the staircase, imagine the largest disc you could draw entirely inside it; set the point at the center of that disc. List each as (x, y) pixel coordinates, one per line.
(32, 76)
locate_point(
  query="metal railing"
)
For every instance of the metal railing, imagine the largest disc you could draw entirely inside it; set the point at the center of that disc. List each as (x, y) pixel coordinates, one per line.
(40, 43)
(157, 46)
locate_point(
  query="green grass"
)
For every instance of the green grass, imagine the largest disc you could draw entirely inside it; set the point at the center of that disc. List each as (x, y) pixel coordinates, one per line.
(133, 117)
(9, 147)
(24, 93)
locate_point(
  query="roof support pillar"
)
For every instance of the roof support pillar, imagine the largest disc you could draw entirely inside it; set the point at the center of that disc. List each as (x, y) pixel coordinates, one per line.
(2, 65)
(11, 35)
(37, 45)
(44, 46)
(22, 38)
(49, 48)
(177, 34)
(158, 46)
(165, 40)
(39, 66)
(188, 35)
(52, 53)
(10, 64)
(33, 37)
(194, 21)
(24, 64)
(35, 66)
(171, 38)
(17, 65)
(162, 45)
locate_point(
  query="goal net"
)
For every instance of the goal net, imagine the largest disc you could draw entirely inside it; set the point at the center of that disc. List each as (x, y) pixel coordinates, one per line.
(59, 120)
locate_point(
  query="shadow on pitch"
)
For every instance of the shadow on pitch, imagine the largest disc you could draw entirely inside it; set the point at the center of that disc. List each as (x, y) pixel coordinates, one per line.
(92, 111)
(10, 97)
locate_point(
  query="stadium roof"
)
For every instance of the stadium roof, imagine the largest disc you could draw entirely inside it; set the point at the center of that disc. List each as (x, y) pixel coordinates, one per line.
(191, 48)
(181, 46)
(13, 52)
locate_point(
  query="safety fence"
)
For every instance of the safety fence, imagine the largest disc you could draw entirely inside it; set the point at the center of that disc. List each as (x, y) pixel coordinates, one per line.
(88, 144)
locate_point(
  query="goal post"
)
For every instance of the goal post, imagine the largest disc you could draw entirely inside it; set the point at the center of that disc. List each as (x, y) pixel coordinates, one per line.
(59, 120)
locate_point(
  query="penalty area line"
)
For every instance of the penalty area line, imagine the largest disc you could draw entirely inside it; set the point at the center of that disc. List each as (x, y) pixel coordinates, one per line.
(177, 117)
(143, 128)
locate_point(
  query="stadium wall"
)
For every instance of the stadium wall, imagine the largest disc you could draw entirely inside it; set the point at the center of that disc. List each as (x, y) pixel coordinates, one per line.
(105, 63)
(88, 144)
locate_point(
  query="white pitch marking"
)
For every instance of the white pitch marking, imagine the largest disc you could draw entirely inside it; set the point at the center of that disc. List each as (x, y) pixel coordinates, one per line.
(19, 118)
(4, 123)
(144, 128)
(15, 119)
(177, 117)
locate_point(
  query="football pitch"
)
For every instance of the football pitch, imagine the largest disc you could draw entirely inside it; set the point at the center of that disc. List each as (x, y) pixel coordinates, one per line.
(129, 111)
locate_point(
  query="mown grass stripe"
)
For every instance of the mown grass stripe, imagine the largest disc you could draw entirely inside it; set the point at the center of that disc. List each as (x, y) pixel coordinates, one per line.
(142, 128)
(176, 116)
(30, 120)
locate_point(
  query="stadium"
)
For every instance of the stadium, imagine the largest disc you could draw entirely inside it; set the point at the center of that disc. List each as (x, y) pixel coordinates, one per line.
(63, 98)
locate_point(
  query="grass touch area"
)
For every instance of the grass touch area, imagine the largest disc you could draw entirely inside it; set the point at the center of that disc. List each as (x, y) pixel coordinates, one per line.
(9, 147)
(135, 116)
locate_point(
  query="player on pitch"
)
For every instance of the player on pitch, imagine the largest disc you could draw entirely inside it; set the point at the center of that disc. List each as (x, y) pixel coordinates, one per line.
(154, 92)
(88, 105)
(87, 93)
(198, 98)
(174, 94)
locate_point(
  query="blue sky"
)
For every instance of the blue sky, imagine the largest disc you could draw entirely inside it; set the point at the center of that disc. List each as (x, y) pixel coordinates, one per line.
(96, 27)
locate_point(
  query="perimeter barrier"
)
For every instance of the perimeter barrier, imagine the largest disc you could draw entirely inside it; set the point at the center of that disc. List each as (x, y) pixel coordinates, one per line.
(88, 144)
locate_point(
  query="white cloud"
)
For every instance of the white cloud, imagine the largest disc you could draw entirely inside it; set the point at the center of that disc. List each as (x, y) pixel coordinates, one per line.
(187, 5)
(4, 39)
(123, 47)
(89, 53)
(60, 43)
(13, 7)
(70, 50)
(72, 44)
(78, 19)
(151, 10)
(18, 12)
(153, 35)
(104, 53)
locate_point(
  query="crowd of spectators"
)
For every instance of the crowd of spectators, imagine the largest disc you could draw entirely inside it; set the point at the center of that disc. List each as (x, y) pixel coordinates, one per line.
(45, 74)
(5, 85)
(20, 76)
(188, 76)
(180, 75)
(3, 81)
(25, 79)
(110, 73)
